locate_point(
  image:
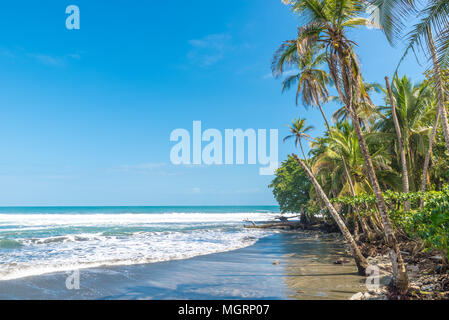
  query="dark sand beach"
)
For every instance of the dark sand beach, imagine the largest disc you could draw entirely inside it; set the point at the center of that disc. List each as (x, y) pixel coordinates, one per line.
(279, 266)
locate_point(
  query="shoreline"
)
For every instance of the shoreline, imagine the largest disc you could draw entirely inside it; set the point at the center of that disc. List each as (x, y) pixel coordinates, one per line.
(427, 282)
(426, 271)
(285, 265)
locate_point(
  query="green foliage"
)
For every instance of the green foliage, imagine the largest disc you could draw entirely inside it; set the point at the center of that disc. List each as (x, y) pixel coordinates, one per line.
(430, 223)
(291, 187)
(440, 163)
(392, 198)
(312, 207)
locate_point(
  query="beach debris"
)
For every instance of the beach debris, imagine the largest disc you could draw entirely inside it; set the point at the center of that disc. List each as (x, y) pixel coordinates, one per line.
(276, 263)
(285, 219)
(357, 296)
(342, 261)
(276, 225)
(252, 222)
(438, 258)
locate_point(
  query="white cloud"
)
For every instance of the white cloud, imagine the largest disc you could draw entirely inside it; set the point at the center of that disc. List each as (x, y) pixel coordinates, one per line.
(143, 167)
(209, 50)
(284, 74)
(48, 60)
(7, 53)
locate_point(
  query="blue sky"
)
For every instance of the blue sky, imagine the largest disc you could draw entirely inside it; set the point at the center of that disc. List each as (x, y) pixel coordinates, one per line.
(86, 114)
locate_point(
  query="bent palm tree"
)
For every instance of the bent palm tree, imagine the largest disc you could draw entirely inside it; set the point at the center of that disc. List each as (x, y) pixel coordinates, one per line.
(326, 23)
(360, 261)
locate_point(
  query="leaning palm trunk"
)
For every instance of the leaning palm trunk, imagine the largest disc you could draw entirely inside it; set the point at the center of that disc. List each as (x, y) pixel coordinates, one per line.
(376, 228)
(366, 229)
(358, 257)
(405, 183)
(345, 166)
(440, 87)
(356, 229)
(304, 154)
(399, 270)
(429, 152)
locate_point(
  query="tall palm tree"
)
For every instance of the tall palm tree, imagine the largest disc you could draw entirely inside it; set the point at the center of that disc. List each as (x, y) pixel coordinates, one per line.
(433, 16)
(405, 181)
(414, 120)
(298, 131)
(311, 81)
(432, 102)
(367, 111)
(326, 23)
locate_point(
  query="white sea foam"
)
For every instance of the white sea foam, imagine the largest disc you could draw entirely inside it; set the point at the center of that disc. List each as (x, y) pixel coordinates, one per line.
(29, 220)
(160, 237)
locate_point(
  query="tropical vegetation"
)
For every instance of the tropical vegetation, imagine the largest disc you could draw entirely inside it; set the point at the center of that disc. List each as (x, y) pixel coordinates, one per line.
(379, 170)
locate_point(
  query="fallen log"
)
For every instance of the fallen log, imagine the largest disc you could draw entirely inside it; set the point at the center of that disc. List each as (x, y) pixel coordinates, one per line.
(276, 225)
(285, 219)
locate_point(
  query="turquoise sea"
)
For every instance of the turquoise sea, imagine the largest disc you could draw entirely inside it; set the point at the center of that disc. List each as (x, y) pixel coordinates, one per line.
(42, 240)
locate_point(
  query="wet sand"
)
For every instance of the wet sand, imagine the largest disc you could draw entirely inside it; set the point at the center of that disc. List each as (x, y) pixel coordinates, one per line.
(305, 269)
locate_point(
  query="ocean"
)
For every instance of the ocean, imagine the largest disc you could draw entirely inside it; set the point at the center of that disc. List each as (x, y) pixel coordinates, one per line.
(42, 240)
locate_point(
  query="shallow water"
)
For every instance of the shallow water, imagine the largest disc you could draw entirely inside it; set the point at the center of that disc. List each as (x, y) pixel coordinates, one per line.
(35, 241)
(305, 270)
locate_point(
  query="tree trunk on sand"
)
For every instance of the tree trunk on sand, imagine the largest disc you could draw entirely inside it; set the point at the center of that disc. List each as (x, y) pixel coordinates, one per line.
(399, 270)
(358, 257)
(429, 152)
(405, 183)
(440, 87)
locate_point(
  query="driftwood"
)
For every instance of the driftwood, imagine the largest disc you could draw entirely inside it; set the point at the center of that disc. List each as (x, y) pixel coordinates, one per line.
(252, 222)
(276, 225)
(285, 219)
(291, 225)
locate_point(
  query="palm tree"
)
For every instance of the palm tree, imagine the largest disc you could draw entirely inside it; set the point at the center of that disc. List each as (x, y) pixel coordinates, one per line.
(432, 135)
(433, 16)
(312, 81)
(405, 182)
(326, 23)
(327, 167)
(299, 130)
(367, 111)
(343, 142)
(413, 113)
(360, 260)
